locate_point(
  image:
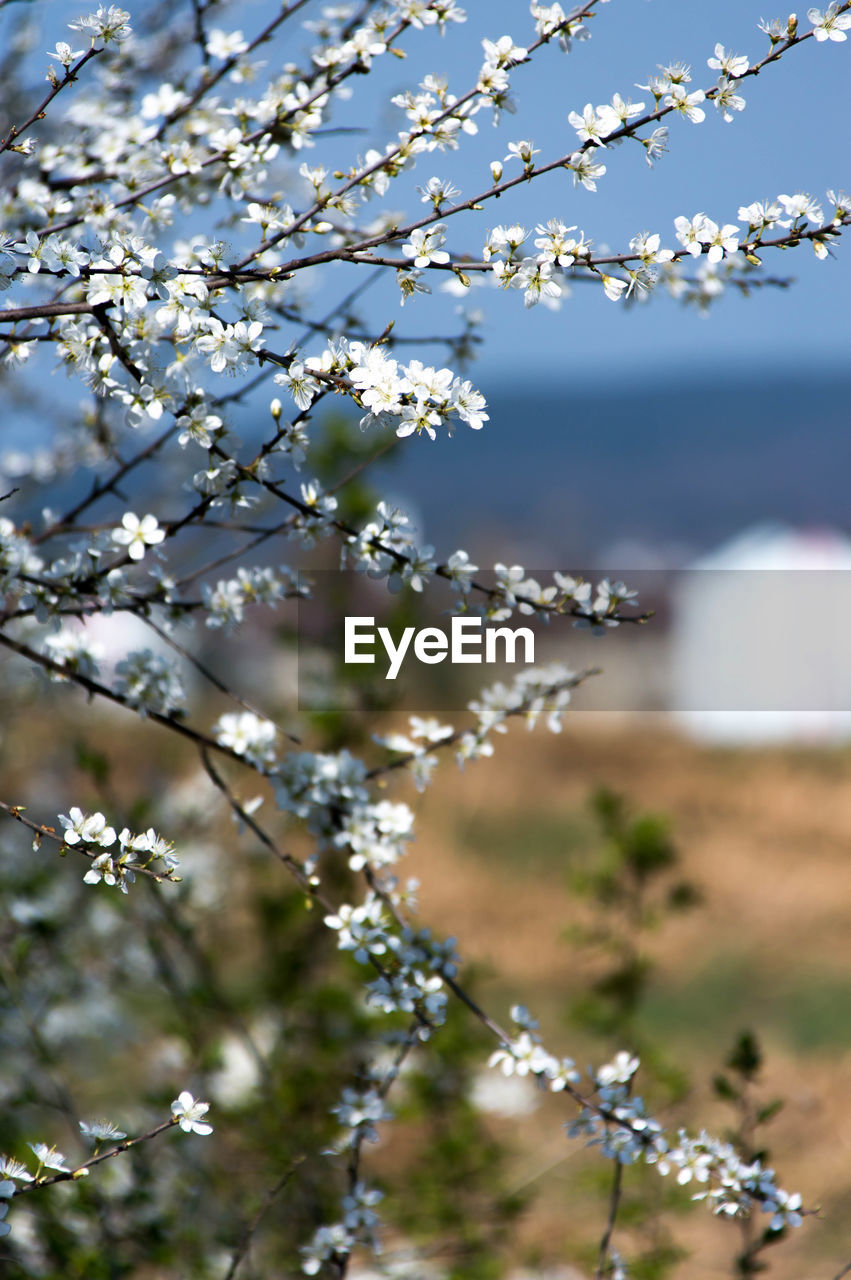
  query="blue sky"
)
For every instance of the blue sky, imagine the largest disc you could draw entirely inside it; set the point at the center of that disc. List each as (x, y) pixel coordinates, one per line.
(792, 136)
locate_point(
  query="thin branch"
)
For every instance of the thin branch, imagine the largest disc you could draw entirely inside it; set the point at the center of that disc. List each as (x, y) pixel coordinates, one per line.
(329, 83)
(44, 832)
(248, 1235)
(357, 178)
(614, 1205)
(433, 748)
(311, 886)
(103, 691)
(81, 1170)
(45, 311)
(17, 131)
(211, 676)
(198, 10)
(101, 487)
(209, 80)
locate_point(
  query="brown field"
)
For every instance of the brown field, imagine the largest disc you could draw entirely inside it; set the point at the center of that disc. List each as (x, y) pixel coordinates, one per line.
(766, 835)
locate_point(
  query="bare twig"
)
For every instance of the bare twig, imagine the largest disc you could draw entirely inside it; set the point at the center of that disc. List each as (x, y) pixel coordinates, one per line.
(248, 1235)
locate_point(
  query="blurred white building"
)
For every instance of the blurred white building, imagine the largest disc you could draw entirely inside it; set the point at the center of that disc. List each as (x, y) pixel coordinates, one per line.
(760, 639)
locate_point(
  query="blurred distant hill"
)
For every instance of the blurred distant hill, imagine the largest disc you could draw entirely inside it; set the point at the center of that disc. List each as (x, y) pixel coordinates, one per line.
(584, 468)
(612, 475)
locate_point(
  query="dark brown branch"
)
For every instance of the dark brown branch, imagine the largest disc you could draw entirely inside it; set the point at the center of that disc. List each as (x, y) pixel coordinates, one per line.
(17, 131)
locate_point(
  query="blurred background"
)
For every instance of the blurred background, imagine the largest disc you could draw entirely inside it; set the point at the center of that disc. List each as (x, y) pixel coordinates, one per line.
(679, 885)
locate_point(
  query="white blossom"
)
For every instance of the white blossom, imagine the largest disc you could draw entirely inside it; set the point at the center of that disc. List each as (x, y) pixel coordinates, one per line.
(48, 1157)
(425, 246)
(10, 1168)
(137, 535)
(586, 171)
(614, 287)
(590, 126)
(149, 683)
(727, 100)
(730, 65)
(87, 828)
(503, 52)
(101, 1131)
(461, 570)
(64, 53)
(802, 205)
(301, 386)
(225, 44)
(107, 24)
(522, 151)
(656, 145)
(829, 24)
(248, 735)
(189, 1114)
(687, 104)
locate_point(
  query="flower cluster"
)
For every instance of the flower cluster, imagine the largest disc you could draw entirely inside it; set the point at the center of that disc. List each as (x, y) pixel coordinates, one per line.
(148, 683)
(145, 851)
(225, 604)
(419, 744)
(525, 1056)
(376, 834)
(358, 1226)
(75, 652)
(247, 735)
(617, 1123)
(385, 548)
(112, 24)
(415, 397)
(17, 556)
(186, 1111)
(359, 1111)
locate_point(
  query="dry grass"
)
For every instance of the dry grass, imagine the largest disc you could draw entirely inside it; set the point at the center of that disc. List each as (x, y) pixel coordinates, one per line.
(766, 836)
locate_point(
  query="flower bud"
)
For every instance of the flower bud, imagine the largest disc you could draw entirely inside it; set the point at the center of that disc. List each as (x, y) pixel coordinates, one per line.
(275, 409)
(496, 170)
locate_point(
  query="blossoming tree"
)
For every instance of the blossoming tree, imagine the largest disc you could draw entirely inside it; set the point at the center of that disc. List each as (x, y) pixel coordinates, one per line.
(155, 132)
